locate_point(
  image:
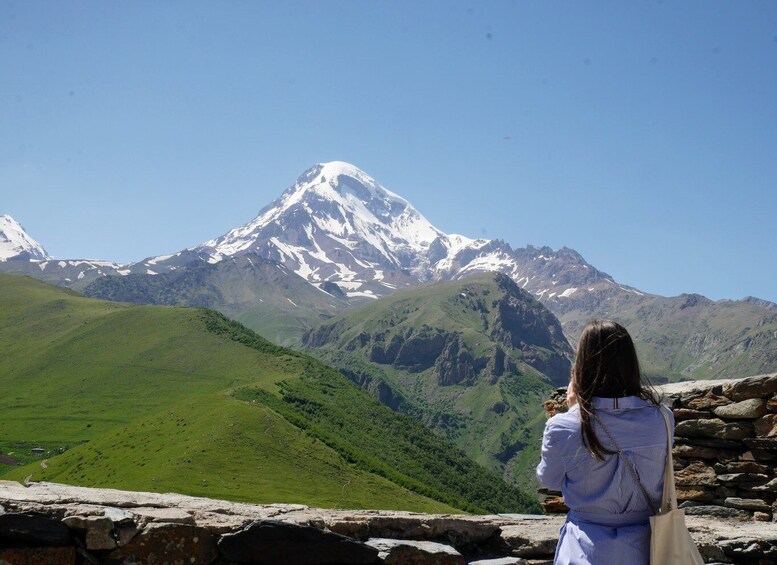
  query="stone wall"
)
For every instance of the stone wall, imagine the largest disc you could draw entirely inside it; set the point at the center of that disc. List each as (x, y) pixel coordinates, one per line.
(46, 523)
(725, 446)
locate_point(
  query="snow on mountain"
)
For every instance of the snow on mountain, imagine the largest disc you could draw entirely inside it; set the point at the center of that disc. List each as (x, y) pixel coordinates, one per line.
(338, 225)
(343, 202)
(15, 243)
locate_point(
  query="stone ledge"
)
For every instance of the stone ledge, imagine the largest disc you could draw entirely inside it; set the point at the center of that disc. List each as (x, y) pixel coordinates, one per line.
(184, 528)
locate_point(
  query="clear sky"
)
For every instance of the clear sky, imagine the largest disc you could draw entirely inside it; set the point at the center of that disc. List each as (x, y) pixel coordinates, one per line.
(641, 134)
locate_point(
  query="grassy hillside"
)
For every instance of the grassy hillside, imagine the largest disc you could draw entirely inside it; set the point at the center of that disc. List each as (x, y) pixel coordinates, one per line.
(472, 359)
(177, 399)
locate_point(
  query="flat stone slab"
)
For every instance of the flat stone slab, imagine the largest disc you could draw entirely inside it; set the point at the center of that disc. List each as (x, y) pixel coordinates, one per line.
(170, 515)
(530, 542)
(416, 552)
(751, 409)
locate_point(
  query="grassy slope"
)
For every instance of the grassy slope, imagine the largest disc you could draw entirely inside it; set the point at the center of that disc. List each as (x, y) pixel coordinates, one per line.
(462, 413)
(147, 389)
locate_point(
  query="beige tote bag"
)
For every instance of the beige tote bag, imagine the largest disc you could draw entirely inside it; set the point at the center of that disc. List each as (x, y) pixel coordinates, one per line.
(670, 542)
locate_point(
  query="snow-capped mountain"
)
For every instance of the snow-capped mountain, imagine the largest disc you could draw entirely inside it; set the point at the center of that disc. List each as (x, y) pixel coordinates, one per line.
(338, 225)
(352, 240)
(15, 243)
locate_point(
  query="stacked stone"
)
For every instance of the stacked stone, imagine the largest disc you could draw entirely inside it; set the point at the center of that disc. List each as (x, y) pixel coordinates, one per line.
(726, 448)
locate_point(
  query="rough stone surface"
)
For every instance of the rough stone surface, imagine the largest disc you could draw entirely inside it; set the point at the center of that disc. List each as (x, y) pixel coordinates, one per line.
(167, 543)
(749, 548)
(749, 409)
(695, 452)
(761, 443)
(743, 478)
(709, 442)
(99, 531)
(714, 428)
(753, 387)
(716, 511)
(167, 515)
(747, 504)
(554, 505)
(279, 542)
(696, 474)
(398, 552)
(32, 529)
(771, 486)
(688, 414)
(529, 544)
(694, 493)
(744, 467)
(38, 555)
(766, 426)
(706, 402)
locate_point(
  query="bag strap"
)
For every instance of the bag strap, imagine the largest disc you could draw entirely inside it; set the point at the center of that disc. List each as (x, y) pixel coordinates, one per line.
(669, 498)
(630, 467)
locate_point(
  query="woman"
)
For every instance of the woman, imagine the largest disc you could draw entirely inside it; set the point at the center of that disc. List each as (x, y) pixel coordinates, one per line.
(610, 495)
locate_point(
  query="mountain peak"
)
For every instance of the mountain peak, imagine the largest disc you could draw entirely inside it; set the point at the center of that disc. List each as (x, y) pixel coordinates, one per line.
(341, 178)
(335, 168)
(16, 244)
(335, 221)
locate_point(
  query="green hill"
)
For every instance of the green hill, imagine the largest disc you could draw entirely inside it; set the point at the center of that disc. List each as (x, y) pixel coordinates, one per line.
(472, 359)
(177, 399)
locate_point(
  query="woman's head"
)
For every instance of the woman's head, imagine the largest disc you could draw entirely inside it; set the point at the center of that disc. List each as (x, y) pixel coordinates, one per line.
(605, 365)
(606, 362)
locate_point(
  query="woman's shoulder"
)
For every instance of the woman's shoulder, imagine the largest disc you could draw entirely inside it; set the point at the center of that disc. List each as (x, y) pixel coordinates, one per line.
(565, 421)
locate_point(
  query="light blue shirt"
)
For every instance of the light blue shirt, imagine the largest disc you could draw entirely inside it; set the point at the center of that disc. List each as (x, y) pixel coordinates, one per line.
(608, 518)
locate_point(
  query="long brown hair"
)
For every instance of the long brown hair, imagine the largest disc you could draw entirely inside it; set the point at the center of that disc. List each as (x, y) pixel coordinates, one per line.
(606, 365)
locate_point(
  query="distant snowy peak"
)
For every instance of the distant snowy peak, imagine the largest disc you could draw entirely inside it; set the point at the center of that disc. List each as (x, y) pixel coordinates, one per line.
(333, 222)
(16, 244)
(337, 224)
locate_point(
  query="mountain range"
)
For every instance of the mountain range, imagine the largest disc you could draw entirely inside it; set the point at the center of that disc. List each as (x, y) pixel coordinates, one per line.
(337, 238)
(466, 336)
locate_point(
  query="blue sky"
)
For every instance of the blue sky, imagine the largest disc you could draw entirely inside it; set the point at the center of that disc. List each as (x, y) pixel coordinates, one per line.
(641, 134)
